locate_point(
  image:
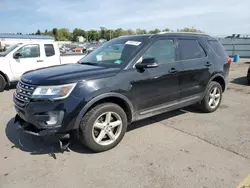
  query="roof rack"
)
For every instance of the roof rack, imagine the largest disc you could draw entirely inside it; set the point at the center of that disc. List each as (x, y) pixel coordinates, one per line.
(194, 33)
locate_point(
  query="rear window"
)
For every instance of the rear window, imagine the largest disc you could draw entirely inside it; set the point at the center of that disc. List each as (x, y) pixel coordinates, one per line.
(49, 50)
(218, 48)
(190, 49)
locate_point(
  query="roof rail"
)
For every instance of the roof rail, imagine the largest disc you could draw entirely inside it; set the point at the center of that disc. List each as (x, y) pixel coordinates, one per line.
(194, 33)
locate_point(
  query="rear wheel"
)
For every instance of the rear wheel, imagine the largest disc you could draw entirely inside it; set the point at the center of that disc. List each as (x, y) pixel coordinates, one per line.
(103, 127)
(213, 97)
(2, 83)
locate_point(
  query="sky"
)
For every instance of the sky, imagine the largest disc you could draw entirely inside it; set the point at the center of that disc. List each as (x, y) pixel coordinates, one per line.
(219, 17)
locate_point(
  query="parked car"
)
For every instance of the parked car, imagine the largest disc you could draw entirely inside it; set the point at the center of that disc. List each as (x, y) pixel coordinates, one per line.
(98, 97)
(24, 57)
(248, 76)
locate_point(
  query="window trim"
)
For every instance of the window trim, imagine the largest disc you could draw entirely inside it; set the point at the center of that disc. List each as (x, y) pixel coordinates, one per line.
(28, 45)
(195, 39)
(151, 43)
(53, 49)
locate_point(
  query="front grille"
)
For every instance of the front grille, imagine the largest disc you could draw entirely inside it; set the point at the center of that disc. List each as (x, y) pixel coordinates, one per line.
(23, 94)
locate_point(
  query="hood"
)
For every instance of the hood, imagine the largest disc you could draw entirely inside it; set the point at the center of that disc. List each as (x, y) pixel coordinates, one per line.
(64, 74)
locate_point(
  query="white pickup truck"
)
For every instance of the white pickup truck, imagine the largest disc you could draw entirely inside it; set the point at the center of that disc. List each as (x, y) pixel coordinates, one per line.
(24, 57)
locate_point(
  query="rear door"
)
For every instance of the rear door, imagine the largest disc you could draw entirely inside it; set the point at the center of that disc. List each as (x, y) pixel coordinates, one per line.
(30, 59)
(196, 68)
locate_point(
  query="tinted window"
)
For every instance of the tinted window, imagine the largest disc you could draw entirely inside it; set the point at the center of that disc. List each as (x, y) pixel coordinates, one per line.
(29, 51)
(162, 51)
(49, 50)
(190, 49)
(217, 47)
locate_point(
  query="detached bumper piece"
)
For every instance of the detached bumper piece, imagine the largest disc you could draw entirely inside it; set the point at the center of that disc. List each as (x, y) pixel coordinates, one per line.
(63, 139)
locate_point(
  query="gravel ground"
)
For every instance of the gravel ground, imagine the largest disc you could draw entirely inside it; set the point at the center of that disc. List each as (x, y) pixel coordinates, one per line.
(183, 148)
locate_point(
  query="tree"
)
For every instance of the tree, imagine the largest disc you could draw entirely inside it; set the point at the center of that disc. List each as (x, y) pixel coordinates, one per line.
(63, 34)
(186, 29)
(140, 31)
(118, 32)
(38, 32)
(54, 32)
(166, 30)
(155, 31)
(78, 32)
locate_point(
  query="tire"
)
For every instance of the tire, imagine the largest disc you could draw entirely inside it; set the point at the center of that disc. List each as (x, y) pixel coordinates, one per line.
(2, 83)
(248, 82)
(88, 132)
(205, 105)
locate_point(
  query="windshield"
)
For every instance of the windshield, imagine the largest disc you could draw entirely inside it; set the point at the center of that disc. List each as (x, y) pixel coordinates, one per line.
(9, 50)
(114, 53)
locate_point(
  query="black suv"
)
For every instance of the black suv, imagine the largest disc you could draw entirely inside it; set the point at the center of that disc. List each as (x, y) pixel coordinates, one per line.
(126, 79)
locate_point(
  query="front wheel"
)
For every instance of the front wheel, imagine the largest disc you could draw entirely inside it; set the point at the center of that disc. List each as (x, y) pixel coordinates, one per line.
(103, 127)
(213, 97)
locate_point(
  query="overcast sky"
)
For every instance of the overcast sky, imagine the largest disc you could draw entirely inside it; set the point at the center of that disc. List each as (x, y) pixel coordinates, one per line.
(211, 16)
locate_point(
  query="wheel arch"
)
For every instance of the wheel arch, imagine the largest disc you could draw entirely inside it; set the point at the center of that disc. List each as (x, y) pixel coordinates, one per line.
(220, 79)
(116, 98)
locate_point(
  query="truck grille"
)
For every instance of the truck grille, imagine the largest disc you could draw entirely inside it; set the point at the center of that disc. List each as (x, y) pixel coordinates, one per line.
(23, 93)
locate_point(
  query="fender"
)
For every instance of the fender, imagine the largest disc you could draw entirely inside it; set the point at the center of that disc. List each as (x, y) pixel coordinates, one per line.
(98, 98)
(218, 75)
(214, 76)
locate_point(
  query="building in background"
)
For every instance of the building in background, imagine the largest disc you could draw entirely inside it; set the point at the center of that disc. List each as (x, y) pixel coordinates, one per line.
(7, 40)
(81, 39)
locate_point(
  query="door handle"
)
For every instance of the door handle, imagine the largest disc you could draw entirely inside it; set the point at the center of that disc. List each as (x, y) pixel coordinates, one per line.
(39, 61)
(173, 71)
(208, 64)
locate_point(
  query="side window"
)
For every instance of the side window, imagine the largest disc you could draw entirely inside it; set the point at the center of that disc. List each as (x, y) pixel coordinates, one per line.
(190, 49)
(162, 50)
(29, 51)
(49, 50)
(218, 48)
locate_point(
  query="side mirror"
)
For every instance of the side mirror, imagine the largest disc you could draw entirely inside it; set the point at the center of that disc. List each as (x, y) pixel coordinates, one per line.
(147, 63)
(17, 55)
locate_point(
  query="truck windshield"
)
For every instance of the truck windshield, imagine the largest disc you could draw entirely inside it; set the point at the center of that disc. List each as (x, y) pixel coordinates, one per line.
(114, 53)
(9, 50)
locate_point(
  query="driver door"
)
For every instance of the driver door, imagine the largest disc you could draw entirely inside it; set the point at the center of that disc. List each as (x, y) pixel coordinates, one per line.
(158, 88)
(30, 59)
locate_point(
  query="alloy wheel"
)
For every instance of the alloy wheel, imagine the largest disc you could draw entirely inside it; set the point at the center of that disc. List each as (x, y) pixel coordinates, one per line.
(214, 97)
(107, 128)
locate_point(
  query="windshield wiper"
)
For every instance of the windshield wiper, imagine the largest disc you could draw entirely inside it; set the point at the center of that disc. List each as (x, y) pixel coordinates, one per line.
(88, 63)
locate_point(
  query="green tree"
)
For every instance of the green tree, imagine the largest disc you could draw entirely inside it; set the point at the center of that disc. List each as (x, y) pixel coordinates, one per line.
(186, 29)
(38, 32)
(118, 32)
(63, 34)
(140, 31)
(78, 32)
(166, 30)
(93, 35)
(155, 31)
(54, 32)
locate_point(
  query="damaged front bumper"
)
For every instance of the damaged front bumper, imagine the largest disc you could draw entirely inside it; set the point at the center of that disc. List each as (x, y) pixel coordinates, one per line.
(63, 139)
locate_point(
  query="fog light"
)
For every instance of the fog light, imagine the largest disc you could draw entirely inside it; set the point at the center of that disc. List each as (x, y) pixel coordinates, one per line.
(55, 117)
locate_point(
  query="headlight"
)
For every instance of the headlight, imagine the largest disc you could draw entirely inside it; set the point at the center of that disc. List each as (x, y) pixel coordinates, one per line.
(53, 92)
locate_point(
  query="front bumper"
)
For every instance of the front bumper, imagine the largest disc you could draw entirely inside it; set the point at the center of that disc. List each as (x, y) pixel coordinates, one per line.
(33, 117)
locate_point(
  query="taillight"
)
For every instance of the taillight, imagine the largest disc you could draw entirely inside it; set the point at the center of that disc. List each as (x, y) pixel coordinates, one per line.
(229, 60)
